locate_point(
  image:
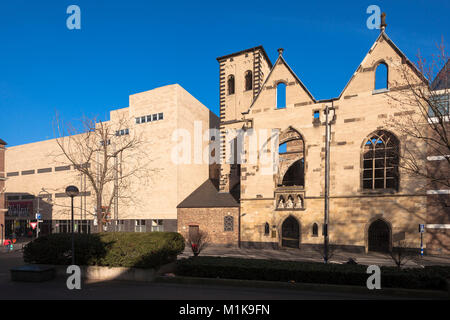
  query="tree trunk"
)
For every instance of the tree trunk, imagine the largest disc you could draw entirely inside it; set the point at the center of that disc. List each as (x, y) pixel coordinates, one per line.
(99, 214)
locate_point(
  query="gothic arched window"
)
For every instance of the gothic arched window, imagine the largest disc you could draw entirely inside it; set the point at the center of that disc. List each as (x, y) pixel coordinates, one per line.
(266, 229)
(315, 230)
(281, 95)
(381, 76)
(231, 84)
(380, 161)
(248, 80)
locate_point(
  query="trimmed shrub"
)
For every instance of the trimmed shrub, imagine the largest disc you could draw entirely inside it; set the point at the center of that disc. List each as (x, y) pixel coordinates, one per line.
(308, 272)
(114, 249)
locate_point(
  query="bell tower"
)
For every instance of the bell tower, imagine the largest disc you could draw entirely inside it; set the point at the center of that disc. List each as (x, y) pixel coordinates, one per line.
(241, 76)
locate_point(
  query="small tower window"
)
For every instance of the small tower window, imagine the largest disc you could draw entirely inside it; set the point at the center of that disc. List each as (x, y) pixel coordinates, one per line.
(381, 76)
(231, 84)
(248, 80)
(281, 95)
(316, 114)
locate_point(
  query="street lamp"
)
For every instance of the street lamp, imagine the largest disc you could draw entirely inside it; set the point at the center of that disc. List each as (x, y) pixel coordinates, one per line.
(72, 191)
(39, 210)
(329, 112)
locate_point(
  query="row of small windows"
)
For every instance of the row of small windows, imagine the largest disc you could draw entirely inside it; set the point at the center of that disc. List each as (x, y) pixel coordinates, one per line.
(48, 196)
(315, 229)
(123, 132)
(42, 170)
(150, 118)
(248, 76)
(140, 225)
(64, 226)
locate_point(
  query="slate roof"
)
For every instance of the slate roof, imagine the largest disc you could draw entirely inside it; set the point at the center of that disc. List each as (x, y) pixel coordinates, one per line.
(208, 196)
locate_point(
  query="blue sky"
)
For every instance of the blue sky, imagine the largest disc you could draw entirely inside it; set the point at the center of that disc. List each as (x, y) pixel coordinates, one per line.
(125, 47)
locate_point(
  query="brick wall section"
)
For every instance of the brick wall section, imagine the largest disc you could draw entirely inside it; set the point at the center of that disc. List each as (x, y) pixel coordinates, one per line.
(210, 220)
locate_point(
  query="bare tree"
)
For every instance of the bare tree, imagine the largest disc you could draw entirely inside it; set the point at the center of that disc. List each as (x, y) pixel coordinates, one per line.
(198, 241)
(319, 248)
(420, 96)
(402, 253)
(109, 154)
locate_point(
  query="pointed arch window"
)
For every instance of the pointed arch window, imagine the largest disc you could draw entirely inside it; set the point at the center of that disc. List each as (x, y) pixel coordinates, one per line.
(248, 80)
(315, 230)
(381, 76)
(230, 84)
(281, 95)
(266, 229)
(291, 159)
(380, 161)
(294, 176)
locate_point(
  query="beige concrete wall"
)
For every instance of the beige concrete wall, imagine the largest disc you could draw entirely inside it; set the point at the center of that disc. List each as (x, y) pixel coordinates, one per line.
(42, 155)
(157, 187)
(197, 119)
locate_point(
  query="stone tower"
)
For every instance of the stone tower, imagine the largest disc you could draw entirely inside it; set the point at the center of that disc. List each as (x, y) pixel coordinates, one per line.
(241, 77)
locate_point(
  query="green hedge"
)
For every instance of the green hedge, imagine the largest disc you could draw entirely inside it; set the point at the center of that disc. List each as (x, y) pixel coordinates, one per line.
(119, 249)
(310, 272)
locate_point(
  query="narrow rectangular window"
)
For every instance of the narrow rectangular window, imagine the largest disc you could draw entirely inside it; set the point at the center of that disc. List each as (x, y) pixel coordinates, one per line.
(149, 118)
(155, 117)
(160, 116)
(143, 119)
(316, 114)
(157, 225)
(62, 168)
(138, 120)
(228, 223)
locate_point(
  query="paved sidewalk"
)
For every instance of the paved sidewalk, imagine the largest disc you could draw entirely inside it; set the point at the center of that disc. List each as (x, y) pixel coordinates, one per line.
(312, 256)
(57, 289)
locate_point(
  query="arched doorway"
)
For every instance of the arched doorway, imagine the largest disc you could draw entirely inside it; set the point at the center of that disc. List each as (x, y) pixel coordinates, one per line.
(290, 233)
(379, 236)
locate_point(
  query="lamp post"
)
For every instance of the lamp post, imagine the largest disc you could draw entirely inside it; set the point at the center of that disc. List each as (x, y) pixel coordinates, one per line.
(72, 191)
(329, 111)
(39, 210)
